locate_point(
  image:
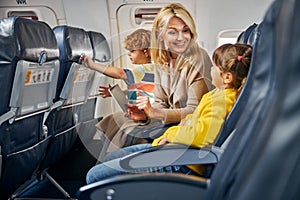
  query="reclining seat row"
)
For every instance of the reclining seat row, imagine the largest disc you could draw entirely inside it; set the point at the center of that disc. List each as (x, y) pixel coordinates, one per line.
(73, 111)
(29, 71)
(44, 93)
(85, 148)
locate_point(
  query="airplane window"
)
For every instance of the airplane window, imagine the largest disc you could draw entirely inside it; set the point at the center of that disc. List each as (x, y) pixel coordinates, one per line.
(145, 15)
(228, 36)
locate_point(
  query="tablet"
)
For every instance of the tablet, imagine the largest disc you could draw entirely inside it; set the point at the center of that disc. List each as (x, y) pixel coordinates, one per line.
(119, 96)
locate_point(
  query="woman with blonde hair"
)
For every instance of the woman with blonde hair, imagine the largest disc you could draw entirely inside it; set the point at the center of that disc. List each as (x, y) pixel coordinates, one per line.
(182, 68)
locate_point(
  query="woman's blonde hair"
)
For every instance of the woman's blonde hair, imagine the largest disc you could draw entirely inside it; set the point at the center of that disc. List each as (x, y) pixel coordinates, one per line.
(236, 59)
(159, 54)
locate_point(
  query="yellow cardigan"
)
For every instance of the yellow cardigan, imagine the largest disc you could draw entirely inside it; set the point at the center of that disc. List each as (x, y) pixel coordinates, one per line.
(202, 126)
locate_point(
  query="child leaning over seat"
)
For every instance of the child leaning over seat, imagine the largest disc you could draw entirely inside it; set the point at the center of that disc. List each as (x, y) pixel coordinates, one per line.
(231, 65)
(140, 76)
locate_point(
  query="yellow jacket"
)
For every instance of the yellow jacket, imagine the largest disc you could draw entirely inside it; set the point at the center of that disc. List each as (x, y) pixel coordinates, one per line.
(202, 126)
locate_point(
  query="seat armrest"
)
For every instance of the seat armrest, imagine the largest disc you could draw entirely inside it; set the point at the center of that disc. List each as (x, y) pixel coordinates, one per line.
(146, 186)
(173, 154)
(148, 133)
(157, 131)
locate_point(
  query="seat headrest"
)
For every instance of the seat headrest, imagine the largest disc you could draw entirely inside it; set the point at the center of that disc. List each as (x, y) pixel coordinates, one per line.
(100, 47)
(72, 42)
(247, 36)
(25, 39)
(253, 36)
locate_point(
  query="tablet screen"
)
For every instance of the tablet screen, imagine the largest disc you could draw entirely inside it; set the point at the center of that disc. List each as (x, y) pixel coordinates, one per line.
(119, 96)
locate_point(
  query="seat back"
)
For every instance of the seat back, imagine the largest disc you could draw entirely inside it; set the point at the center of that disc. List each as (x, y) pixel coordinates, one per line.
(245, 36)
(73, 88)
(88, 116)
(102, 55)
(87, 112)
(29, 72)
(74, 79)
(254, 129)
(268, 168)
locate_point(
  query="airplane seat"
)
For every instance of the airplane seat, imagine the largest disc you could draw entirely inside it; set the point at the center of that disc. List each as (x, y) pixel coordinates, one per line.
(276, 152)
(245, 36)
(101, 54)
(266, 143)
(73, 88)
(261, 159)
(29, 71)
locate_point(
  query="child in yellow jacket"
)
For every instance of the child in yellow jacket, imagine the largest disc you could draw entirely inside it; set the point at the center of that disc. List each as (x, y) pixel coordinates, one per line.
(230, 69)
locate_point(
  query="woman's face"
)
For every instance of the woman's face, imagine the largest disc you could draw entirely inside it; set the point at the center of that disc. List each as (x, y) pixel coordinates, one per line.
(177, 36)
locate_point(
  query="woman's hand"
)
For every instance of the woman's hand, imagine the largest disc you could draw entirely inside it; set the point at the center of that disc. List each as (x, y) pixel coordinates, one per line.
(143, 103)
(104, 91)
(135, 113)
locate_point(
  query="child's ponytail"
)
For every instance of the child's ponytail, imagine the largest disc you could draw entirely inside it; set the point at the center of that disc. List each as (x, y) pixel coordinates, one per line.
(234, 58)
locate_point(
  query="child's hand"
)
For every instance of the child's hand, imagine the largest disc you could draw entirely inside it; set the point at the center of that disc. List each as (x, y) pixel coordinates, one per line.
(163, 141)
(87, 61)
(182, 122)
(104, 91)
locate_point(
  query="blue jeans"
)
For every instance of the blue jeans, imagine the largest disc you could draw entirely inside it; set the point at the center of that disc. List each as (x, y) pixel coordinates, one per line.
(110, 167)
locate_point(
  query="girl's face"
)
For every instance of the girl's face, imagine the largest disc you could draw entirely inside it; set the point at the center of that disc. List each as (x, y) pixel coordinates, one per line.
(217, 79)
(138, 57)
(177, 36)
